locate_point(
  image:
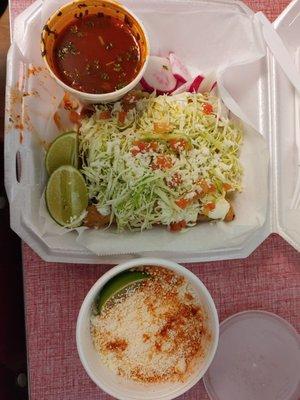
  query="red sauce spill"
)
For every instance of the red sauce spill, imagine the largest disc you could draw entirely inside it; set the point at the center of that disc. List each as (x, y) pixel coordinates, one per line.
(34, 70)
(19, 126)
(96, 54)
(69, 103)
(21, 137)
(57, 120)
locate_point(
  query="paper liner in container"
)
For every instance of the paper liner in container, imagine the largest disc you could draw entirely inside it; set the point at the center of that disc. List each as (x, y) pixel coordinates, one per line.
(227, 41)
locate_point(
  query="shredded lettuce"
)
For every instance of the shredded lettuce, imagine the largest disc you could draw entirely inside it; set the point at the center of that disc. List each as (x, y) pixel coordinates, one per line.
(125, 179)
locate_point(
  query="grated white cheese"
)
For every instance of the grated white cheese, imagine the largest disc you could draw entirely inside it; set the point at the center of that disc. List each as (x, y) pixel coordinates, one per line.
(154, 332)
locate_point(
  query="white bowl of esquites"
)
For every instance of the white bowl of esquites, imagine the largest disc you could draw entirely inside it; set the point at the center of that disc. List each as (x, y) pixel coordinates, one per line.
(122, 370)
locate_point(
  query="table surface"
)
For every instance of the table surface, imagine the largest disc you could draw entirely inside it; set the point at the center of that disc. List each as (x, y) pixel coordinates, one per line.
(269, 280)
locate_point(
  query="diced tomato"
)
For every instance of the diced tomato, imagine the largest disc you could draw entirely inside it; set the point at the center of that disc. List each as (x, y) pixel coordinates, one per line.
(162, 162)
(122, 116)
(178, 144)
(182, 203)
(153, 146)
(207, 108)
(206, 188)
(227, 187)
(177, 226)
(212, 188)
(142, 147)
(175, 180)
(162, 127)
(208, 207)
(146, 145)
(104, 115)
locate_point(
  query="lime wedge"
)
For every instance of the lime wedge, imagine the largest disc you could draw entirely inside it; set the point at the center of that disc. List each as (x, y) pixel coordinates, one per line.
(66, 196)
(63, 151)
(117, 285)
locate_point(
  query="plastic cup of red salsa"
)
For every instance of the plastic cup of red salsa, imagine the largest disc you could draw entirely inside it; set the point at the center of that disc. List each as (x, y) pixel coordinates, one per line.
(96, 50)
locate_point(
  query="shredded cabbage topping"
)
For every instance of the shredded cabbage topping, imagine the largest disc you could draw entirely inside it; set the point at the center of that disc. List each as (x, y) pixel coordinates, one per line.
(165, 160)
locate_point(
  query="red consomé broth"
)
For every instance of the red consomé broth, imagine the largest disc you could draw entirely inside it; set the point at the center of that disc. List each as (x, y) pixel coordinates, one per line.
(96, 54)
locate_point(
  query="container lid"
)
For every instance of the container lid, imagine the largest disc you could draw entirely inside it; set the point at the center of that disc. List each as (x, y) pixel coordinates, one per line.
(279, 50)
(258, 358)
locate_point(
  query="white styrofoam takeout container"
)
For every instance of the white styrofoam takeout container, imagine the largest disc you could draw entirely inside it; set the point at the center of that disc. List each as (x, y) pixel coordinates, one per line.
(119, 387)
(276, 117)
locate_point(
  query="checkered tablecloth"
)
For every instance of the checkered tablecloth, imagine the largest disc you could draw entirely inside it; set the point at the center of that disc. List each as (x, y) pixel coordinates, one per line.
(269, 279)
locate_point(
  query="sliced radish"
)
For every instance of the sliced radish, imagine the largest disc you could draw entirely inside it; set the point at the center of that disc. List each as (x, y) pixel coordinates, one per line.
(179, 70)
(159, 76)
(214, 89)
(214, 86)
(194, 87)
(208, 83)
(178, 84)
(183, 87)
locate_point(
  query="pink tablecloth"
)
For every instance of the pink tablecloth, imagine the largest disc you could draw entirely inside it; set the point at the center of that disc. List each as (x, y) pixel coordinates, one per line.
(269, 279)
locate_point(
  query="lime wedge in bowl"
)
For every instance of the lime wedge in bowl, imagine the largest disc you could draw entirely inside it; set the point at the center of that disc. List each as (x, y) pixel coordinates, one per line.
(66, 196)
(117, 285)
(63, 151)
